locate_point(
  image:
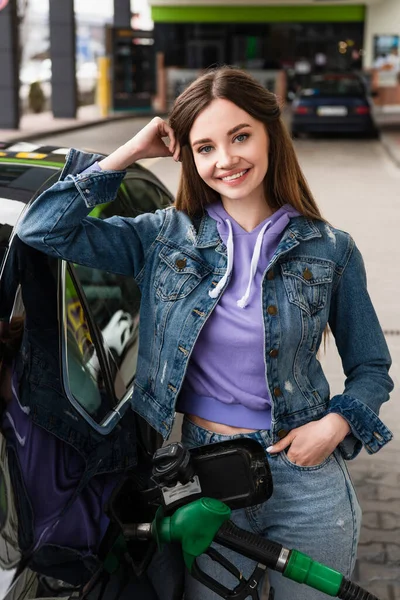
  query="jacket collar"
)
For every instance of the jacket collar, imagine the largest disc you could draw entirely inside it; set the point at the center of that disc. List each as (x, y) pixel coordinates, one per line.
(205, 232)
(303, 228)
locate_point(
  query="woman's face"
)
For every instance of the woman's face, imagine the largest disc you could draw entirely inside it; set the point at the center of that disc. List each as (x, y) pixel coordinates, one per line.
(230, 151)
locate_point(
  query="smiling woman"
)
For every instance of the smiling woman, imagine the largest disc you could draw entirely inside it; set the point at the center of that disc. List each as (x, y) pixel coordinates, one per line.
(238, 280)
(233, 162)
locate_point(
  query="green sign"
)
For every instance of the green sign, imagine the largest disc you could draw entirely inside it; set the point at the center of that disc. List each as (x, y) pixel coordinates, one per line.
(258, 14)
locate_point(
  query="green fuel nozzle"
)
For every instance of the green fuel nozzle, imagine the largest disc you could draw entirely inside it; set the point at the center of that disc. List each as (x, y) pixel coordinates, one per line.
(303, 569)
(196, 525)
(193, 525)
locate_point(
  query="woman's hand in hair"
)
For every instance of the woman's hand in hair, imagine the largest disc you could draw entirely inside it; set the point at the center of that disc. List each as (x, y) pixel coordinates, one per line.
(148, 143)
(312, 443)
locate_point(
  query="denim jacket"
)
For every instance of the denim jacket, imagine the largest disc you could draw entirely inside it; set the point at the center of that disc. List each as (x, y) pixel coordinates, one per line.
(315, 278)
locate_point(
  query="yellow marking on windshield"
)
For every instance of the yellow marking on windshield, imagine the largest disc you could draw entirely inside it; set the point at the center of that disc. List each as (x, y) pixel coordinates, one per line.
(30, 155)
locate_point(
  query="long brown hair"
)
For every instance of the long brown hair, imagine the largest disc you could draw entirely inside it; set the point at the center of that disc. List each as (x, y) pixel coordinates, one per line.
(284, 181)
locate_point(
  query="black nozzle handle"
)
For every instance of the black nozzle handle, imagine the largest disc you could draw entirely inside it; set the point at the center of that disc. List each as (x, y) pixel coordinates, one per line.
(351, 591)
(252, 546)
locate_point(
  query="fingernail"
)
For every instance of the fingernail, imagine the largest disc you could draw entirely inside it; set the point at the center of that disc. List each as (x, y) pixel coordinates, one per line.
(270, 448)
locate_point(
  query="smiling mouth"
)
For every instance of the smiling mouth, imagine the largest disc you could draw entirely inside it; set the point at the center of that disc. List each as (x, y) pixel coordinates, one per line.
(235, 176)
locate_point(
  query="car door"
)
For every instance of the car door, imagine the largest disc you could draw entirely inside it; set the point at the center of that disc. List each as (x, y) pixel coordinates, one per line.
(98, 330)
(19, 182)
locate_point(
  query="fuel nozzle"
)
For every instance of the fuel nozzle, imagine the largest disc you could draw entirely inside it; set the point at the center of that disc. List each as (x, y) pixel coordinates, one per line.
(171, 465)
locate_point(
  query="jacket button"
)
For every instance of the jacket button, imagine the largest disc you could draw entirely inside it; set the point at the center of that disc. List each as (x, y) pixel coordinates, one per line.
(277, 392)
(273, 353)
(282, 433)
(272, 310)
(180, 263)
(270, 274)
(307, 274)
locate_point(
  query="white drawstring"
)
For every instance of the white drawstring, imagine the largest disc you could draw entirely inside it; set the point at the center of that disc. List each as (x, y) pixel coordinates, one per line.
(215, 292)
(243, 302)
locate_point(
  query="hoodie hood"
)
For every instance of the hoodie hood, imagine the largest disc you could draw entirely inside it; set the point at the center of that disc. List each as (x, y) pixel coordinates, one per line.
(263, 239)
(278, 220)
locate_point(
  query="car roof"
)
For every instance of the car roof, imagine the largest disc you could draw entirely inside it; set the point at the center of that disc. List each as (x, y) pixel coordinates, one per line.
(54, 157)
(45, 155)
(51, 156)
(17, 187)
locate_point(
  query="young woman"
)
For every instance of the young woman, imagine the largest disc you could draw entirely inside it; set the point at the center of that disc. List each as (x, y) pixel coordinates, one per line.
(240, 280)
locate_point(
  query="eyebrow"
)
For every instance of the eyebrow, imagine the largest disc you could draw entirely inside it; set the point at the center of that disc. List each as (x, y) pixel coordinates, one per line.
(230, 132)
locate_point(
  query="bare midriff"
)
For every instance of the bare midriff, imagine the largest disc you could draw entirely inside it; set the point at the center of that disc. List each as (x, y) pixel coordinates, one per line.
(218, 427)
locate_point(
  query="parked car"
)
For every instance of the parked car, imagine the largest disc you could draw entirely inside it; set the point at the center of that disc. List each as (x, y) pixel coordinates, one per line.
(333, 103)
(96, 315)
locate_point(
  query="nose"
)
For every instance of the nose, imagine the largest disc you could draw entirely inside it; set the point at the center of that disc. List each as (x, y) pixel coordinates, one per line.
(226, 160)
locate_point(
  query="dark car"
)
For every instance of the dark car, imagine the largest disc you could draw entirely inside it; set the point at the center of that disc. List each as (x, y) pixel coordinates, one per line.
(96, 313)
(333, 103)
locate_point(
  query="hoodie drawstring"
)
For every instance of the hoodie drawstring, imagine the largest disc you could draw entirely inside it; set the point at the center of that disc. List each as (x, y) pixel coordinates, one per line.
(243, 302)
(229, 244)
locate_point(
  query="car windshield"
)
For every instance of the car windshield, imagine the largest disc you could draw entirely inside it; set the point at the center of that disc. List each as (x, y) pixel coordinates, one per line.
(19, 182)
(334, 86)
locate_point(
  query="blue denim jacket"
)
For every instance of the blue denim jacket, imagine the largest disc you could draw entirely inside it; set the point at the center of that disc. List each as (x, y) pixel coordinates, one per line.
(315, 278)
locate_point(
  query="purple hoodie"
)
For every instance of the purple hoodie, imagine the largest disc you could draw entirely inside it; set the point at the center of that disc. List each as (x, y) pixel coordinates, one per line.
(225, 379)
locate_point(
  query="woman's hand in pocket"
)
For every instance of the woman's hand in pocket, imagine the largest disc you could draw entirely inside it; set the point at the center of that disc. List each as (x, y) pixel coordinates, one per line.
(311, 444)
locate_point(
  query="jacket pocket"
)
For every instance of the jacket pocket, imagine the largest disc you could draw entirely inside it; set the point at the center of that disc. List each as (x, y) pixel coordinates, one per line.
(178, 274)
(307, 283)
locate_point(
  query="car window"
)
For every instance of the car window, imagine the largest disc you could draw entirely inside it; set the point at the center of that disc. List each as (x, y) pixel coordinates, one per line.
(111, 302)
(334, 86)
(114, 301)
(136, 196)
(85, 377)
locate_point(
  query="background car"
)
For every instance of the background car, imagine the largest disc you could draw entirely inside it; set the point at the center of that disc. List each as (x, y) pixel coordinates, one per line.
(333, 103)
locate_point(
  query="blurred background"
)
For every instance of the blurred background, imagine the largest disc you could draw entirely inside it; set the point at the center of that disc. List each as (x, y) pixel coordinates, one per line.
(123, 55)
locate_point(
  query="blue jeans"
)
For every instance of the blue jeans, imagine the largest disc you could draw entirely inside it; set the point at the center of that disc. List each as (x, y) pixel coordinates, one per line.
(312, 509)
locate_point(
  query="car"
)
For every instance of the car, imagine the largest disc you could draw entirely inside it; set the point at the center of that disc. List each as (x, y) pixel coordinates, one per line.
(113, 300)
(333, 103)
(97, 321)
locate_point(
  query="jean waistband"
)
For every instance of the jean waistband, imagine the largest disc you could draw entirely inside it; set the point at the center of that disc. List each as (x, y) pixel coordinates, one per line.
(197, 435)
